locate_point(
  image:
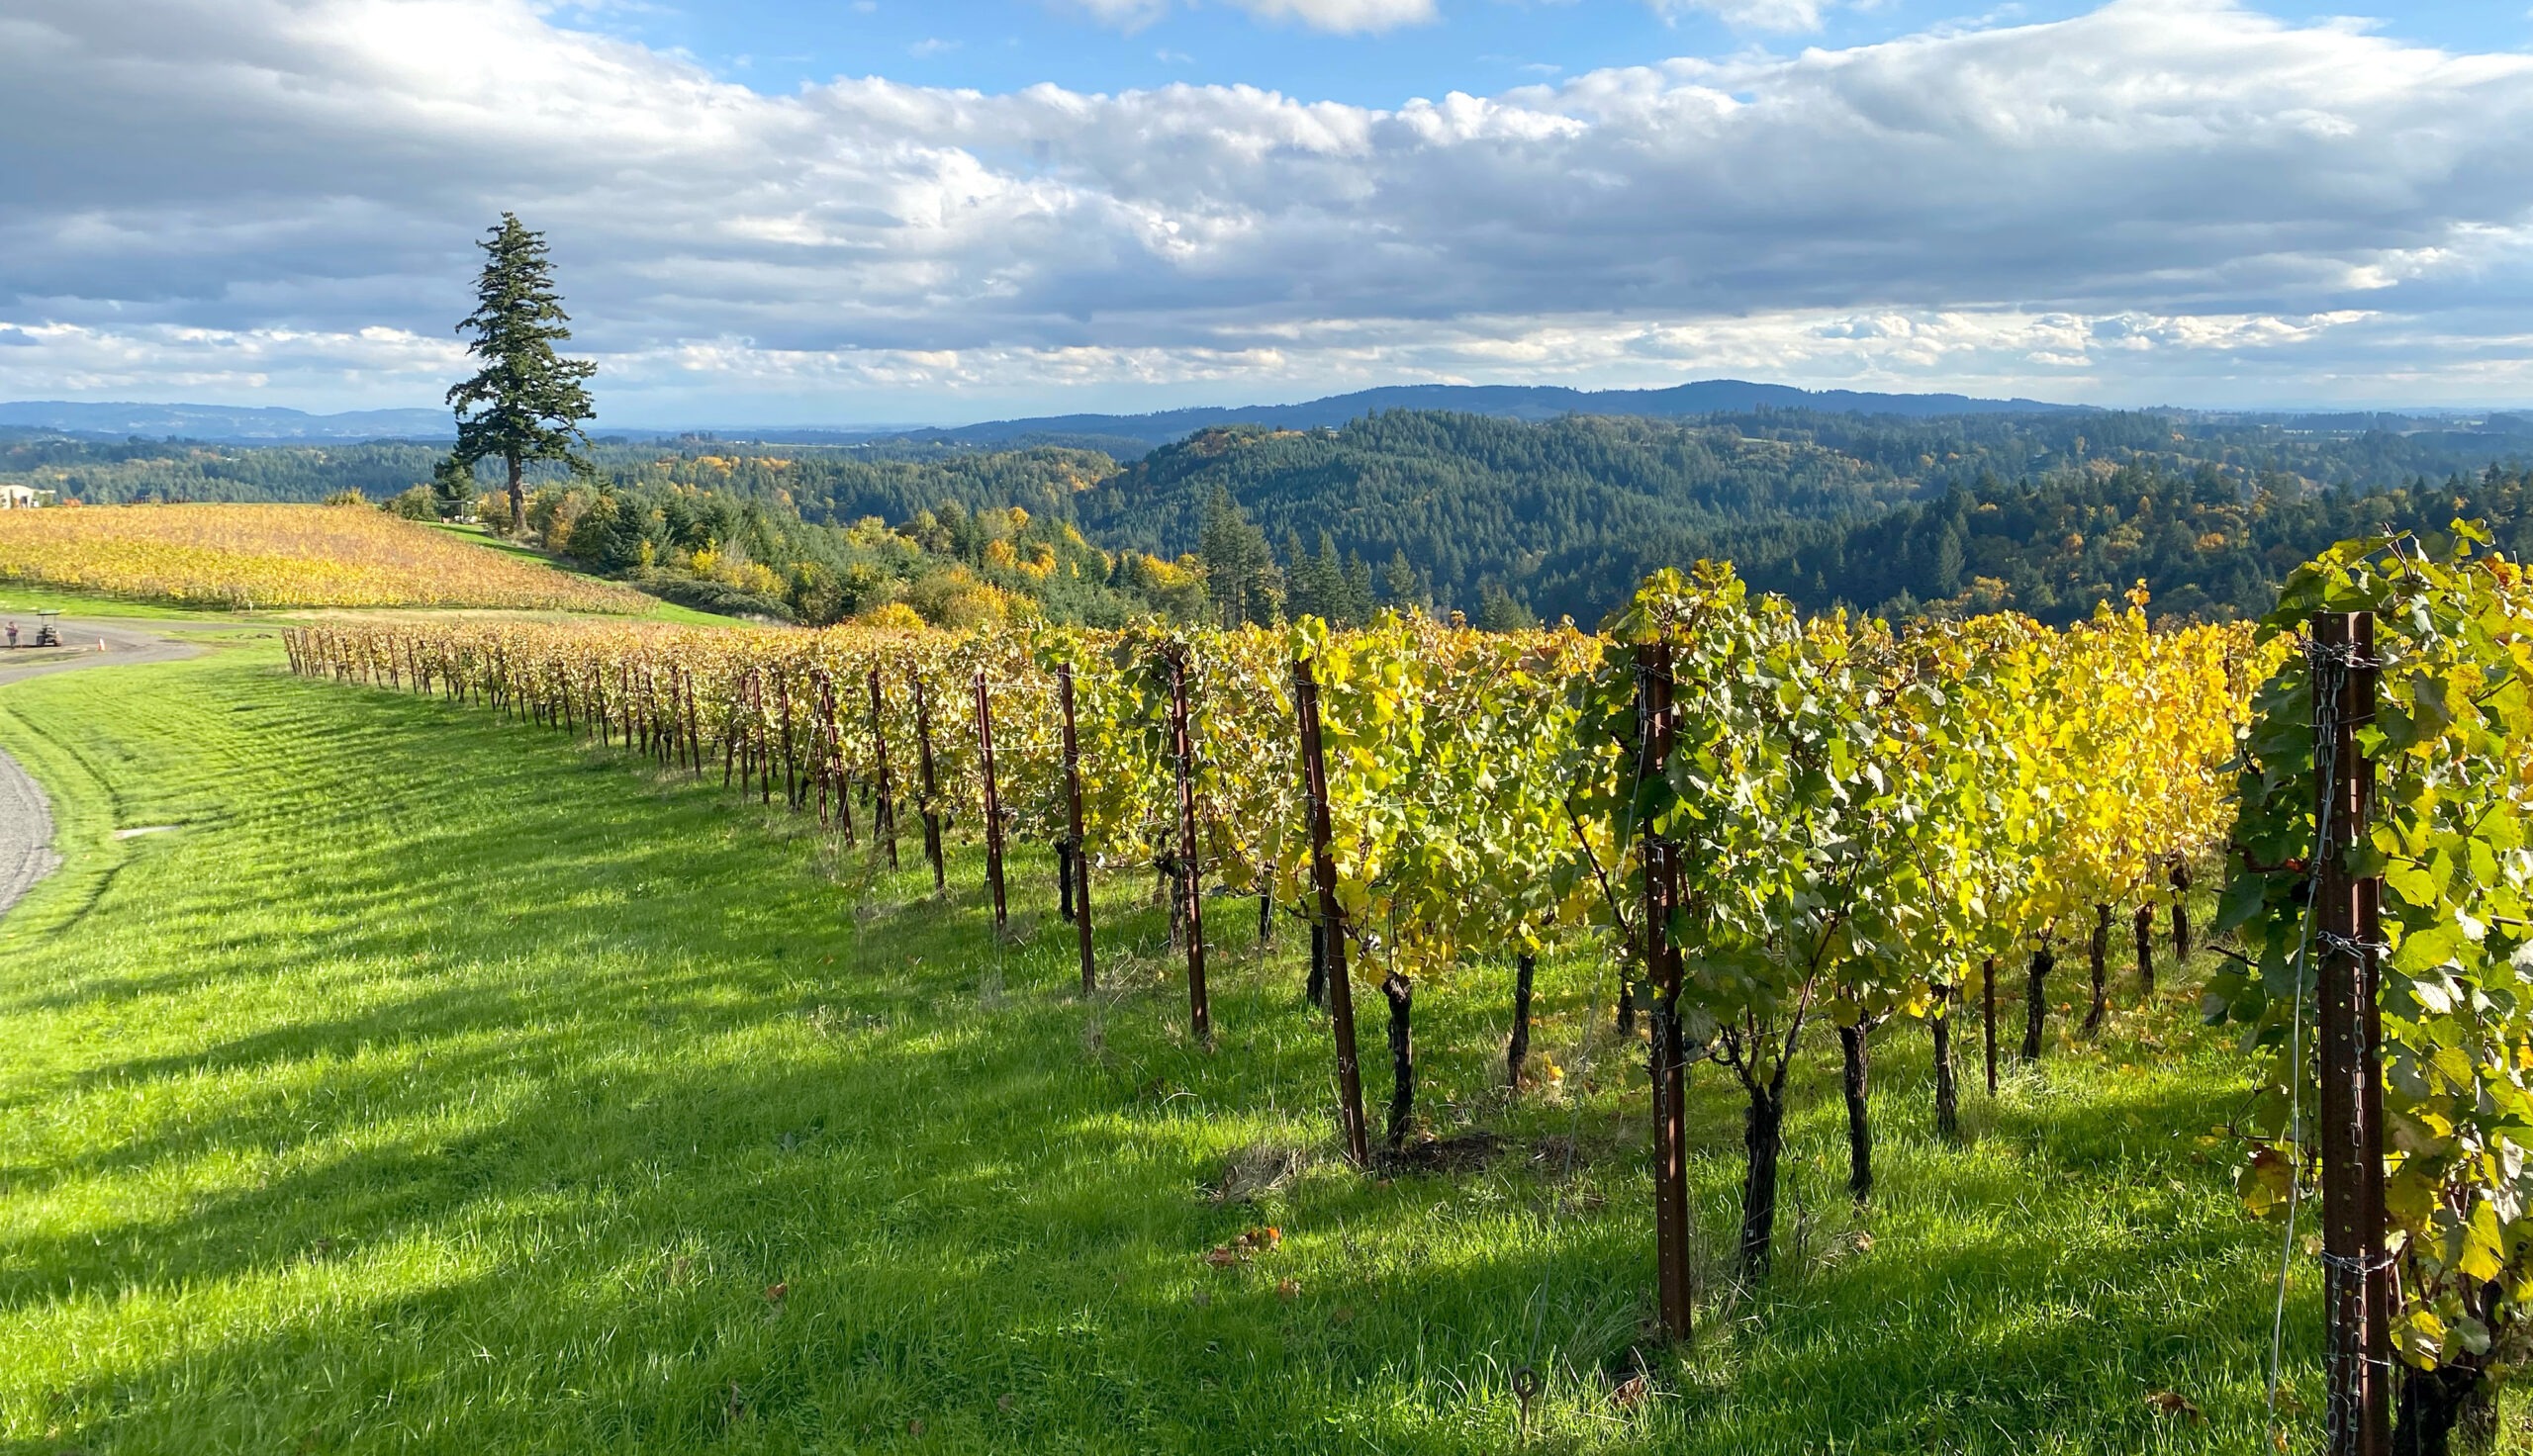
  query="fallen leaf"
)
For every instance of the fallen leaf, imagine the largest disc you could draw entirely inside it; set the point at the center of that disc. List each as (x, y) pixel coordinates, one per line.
(1002, 1403)
(1289, 1289)
(1864, 1241)
(1223, 1259)
(2173, 1403)
(774, 1293)
(914, 1427)
(1261, 1239)
(1631, 1391)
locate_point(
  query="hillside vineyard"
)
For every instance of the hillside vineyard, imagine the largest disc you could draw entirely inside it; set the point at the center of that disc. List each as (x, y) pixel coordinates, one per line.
(1853, 823)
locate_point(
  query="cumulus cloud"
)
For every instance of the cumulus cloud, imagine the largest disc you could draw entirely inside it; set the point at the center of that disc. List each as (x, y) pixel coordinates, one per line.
(2105, 202)
(1341, 17)
(1755, 15)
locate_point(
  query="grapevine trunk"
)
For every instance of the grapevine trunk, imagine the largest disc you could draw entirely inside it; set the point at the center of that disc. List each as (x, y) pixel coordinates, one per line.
(1947, 1091)
(2035, 999)
(2098, 950)
(1401, 993)
(2181, 912)
(1856, 1055)
(1762, 1139)
(1524, 969)
(2145, 935)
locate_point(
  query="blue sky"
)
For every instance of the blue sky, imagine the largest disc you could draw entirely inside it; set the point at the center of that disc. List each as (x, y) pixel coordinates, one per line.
(862, 211)
(1479, 47)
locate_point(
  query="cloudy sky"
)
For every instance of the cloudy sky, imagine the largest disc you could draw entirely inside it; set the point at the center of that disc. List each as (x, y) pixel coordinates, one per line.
(860, 211)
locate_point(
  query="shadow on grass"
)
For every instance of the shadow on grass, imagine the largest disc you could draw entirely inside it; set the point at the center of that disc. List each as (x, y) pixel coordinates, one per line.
(467, 1091)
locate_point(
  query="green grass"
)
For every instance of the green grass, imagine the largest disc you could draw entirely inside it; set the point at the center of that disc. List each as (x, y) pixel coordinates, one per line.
(662, 610)
(442, 1086)
(23, 600)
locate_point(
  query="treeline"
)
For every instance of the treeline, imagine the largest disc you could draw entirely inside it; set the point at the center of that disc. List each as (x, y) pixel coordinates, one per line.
(1507, 521)
(950, 567)
(839, 487)
(2058, 547)
(110, 473)
(2050, 514)
(1475, 505)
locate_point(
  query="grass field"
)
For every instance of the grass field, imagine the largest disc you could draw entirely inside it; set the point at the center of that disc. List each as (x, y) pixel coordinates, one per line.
(242, 557)
(661, 609)
(440, 1086)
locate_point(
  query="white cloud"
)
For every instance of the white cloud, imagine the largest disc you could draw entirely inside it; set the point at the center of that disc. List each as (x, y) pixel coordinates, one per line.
(1342, 16)
(2095, 207)
(1755, 15)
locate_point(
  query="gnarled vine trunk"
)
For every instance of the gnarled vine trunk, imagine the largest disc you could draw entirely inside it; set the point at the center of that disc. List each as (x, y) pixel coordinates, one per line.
(2144, 928)
(2036, 998)
(2181, 912)
(1856, 1058)
(1763, 1140)
(1518, 1050)
(1948, 1092)
(2434, 1407)
(2098, 950)
(1401, 994)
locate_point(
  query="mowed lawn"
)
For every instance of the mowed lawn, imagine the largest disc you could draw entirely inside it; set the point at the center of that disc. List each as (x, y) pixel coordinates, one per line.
(437, 1084)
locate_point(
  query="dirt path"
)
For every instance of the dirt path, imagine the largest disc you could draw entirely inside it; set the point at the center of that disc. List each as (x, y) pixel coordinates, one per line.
(25, 818)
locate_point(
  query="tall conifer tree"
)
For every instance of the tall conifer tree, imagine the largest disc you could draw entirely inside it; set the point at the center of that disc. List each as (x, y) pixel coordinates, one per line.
(526, 403)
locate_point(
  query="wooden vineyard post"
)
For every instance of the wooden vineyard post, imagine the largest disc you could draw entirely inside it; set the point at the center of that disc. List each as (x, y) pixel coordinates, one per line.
(924, 780)
(1190, 888)
(1662, 981)
(1332, 922)
(884, 810)
(2356, 1270)
(994, 801)
(1073, 816)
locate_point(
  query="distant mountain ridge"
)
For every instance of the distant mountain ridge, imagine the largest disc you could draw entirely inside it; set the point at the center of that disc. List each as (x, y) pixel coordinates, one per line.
(1503, 402)
(243, 425)
(226, 423)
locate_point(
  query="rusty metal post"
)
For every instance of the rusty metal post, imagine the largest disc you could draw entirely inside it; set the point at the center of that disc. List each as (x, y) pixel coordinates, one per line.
(1332, 922)
(1081, 848)
(994, 799)
(2356, 1270)
(1668, 1068)
(883, 809)
(929, 807)
(1182, 749)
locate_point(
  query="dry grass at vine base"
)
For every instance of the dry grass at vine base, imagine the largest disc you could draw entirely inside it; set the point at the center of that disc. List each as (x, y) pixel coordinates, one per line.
(283, 556)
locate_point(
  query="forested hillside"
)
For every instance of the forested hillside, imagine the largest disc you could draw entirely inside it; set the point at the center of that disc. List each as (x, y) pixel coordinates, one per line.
(2046, 512)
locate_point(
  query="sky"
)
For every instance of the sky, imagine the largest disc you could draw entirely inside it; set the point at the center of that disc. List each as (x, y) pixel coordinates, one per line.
(842, 212)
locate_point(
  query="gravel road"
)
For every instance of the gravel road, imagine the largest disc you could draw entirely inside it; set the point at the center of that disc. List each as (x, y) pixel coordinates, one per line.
(25, 818)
